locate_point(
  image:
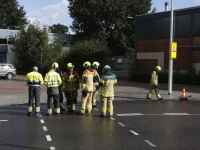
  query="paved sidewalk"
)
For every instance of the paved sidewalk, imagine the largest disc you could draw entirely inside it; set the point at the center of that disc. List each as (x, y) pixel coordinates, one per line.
(16, 91)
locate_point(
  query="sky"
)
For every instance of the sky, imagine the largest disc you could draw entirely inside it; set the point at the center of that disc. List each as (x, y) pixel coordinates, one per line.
(51, 12)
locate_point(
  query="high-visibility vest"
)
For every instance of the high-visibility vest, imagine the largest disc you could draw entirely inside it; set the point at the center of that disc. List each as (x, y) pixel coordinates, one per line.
(154, 78)
(34, 79)
(88, 86)
(108, 82)
(52, 79)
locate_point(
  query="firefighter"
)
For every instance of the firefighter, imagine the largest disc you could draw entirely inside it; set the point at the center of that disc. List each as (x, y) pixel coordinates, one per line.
(87, 86)
(70, 85)
(34, 80)
(107, 82)
(56, 67)
(96, 83)
(154, 83)
(52, 81)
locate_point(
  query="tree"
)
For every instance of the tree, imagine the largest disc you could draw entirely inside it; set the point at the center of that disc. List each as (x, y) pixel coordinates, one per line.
(90, 50)
(12, 15)
(107, 20)
(58, 28)
(28, 47)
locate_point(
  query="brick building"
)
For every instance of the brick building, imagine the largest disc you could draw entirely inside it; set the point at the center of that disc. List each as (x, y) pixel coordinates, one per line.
(152, 39)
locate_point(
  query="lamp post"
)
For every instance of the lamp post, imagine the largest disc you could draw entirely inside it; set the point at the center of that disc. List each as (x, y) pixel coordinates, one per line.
(170, 60)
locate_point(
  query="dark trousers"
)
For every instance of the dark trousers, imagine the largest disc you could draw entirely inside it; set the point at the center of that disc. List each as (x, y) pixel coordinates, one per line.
(56, 101)
(34, 92)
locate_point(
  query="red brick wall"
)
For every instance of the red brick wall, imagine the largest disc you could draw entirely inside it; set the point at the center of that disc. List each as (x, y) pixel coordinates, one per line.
(196, 54)
(162, 45)
(147, 63)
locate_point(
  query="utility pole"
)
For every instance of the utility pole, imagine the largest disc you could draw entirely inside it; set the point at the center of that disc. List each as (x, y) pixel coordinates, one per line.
(170, 60)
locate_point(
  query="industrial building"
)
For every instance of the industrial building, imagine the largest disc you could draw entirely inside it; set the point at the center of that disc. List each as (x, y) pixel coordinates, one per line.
(8, 36)
(152, 33)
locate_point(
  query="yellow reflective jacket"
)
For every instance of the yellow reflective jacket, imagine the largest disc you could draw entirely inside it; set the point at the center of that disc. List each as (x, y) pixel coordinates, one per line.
(154, 78)
(108, 82)
(52, 79)
(87, 80)
(70, 82)
(34, 79)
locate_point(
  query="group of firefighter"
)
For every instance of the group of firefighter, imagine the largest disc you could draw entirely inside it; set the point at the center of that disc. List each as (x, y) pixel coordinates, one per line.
(68, 83)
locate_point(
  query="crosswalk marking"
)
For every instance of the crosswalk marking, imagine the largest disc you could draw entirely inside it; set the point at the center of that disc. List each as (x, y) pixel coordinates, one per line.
(48, 138)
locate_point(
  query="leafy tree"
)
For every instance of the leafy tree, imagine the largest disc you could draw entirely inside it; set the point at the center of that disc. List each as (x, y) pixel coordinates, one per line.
(107, 20)
(58, 28)
(28, 47)
(12, 15)
(80, 52)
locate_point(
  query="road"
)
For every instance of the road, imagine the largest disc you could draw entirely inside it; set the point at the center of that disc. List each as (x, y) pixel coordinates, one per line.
(138, 125)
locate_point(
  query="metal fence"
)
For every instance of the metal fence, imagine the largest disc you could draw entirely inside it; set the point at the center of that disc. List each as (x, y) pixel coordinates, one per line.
(118, 63)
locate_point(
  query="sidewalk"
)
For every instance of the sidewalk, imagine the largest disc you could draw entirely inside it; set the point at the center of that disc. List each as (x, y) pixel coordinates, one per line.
(16, 91)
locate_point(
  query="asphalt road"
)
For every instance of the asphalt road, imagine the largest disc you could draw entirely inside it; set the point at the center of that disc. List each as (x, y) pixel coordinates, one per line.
(138, 125)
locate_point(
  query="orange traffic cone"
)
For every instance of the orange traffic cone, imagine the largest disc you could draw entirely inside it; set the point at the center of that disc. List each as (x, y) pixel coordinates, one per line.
(183, 96)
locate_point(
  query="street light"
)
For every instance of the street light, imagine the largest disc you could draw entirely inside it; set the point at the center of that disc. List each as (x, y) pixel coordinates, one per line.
(170, 60)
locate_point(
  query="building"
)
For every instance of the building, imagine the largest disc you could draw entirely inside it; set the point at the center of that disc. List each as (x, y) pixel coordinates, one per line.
(152, 35)
(8, 36)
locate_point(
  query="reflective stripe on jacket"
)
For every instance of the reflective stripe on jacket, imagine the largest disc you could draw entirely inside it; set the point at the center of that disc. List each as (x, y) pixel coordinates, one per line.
(108, 82)
(34, 79)
(88, 75)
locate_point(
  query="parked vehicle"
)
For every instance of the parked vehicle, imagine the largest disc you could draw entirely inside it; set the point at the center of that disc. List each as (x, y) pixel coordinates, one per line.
(7, 71)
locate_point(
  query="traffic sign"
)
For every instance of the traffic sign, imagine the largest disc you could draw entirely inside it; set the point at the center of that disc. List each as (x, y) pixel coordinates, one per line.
(173, 50)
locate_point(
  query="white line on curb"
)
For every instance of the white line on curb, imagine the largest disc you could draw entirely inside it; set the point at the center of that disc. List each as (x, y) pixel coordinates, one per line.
(45, 128)
(121, 124)
(133, 132)
(48, 138)
(148, 142)
(42, 121)
(112, 118)
(52, 148)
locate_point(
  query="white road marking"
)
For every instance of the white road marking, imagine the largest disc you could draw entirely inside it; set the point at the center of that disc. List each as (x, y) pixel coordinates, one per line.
(148, 142)
(133, 132)
(112, 118)
(130, 114)
(139, 114)
(176, 114)
(52, 148)
(3, 120)
(95, 108)
(45, 128)
(42, 121)
(48, 138)
(121, 124)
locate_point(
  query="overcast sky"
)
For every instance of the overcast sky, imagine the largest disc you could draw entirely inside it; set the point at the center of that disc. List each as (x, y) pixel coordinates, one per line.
(51, 12)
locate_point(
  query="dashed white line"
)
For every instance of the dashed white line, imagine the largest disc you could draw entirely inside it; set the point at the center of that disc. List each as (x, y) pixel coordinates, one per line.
(112, 118)
(95, 108)
(130, 114)
(148, 142)
(48, 138)
(52, 148)
(121, 124)
(133, 132)
(45, 128)
(42, 121)
(3, 120)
